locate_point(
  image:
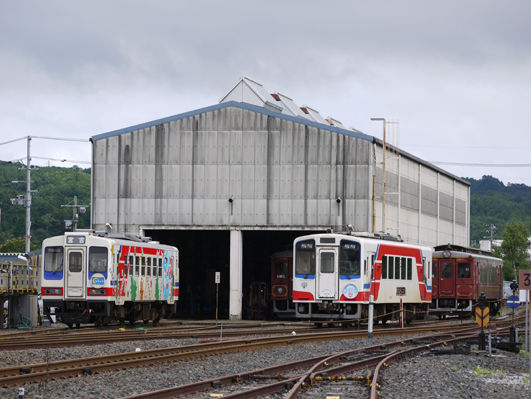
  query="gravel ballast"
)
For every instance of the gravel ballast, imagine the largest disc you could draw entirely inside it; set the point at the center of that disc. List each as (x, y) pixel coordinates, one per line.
(504, 375)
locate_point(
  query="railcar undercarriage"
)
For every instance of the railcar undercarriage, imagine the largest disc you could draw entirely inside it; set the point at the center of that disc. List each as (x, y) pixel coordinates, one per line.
(103, 312)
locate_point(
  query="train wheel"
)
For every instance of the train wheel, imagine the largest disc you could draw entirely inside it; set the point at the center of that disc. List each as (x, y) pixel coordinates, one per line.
(70, 325)
(78, 325)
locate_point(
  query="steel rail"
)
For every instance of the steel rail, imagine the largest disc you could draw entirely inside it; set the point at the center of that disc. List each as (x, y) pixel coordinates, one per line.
(34, 372)
(314, 362)
(395, 355)
(94, 338)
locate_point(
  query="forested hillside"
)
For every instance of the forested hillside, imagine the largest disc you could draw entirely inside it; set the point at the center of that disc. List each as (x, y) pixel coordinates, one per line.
(491, 202)
(55, 187)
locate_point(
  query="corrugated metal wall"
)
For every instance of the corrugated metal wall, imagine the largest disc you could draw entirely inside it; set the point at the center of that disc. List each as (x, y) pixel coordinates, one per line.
(278, 172)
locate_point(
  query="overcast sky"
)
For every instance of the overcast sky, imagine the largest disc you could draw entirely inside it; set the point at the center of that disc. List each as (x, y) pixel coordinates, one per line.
(456, 75)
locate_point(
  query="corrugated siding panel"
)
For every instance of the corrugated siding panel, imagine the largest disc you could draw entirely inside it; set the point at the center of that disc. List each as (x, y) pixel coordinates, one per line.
(279, 172)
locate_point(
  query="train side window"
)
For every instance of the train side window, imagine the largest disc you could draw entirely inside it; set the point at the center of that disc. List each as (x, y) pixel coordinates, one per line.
(463, 270)
(434, 271)
(143, 264)
(402, 268)
(148, 266)
(131, 265)
(447, 270)
(409, 268)
(384, 267)
(397, 268)
(53, 259)
(160, 267)
(137, 265)
(391, 266)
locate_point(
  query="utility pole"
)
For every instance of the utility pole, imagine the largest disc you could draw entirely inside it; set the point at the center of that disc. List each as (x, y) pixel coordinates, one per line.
(383, 172)
(76, 210)
(492, 229)
(28, 196)
(26, 200)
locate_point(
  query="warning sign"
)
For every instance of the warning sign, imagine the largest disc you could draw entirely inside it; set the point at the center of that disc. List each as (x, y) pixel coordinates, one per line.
(482, 316)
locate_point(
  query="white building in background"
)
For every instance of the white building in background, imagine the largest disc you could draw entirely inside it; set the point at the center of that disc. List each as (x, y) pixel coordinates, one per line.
(485, 245)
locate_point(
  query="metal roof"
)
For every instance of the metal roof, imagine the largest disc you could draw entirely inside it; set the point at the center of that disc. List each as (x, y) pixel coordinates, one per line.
(250, 95)
(246, 106)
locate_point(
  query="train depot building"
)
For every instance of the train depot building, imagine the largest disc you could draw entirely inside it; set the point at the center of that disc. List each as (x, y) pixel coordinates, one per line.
(232, 183)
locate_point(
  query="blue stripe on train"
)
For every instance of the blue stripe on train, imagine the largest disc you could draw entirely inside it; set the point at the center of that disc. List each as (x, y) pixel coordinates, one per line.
(306, 276)
(53, 275)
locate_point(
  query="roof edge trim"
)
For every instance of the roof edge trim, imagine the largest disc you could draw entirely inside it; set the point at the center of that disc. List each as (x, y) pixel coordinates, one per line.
(246, 106)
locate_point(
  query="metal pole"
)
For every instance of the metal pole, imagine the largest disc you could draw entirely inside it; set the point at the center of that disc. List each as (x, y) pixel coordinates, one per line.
(371, 314)
(401, 313)
(383, 171)
(217, 291)
(74, 214)
(529, 337)
(383, 178)
(28, 195)
(526, 319)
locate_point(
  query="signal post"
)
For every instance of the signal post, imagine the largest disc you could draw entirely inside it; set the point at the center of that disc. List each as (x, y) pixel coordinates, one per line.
(482, 318)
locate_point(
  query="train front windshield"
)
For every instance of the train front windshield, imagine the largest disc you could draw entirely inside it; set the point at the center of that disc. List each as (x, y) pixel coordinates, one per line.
(53, 259)
(349, 258)
(98, 259)
(305, 257)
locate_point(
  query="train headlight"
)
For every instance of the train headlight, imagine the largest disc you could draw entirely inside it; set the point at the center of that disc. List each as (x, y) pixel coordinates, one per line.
(53, 291)
(304, 284)
(96, 291)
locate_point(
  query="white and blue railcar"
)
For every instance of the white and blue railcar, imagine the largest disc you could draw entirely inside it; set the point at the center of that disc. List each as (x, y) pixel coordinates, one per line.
(95, 277)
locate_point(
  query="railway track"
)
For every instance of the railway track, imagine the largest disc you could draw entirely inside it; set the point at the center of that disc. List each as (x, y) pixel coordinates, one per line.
(92, 336)
(294, 377)
(19, 375)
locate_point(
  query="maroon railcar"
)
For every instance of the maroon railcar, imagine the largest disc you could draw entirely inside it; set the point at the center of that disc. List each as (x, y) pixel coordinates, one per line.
(460, 275)
(281, 284)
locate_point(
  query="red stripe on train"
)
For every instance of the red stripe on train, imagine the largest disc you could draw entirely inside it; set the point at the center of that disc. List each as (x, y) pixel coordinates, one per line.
(303, 296)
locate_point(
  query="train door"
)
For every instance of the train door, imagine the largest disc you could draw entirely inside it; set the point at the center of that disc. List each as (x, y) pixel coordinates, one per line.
(446, 271)
(328, 274)
(75, 273)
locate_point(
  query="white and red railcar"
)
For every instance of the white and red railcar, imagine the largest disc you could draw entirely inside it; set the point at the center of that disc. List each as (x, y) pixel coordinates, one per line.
(334, 275)
(94, 277)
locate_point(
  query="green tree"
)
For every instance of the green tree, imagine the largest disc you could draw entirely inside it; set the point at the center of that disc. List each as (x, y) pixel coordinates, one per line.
(13, 245)
(514, 248)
